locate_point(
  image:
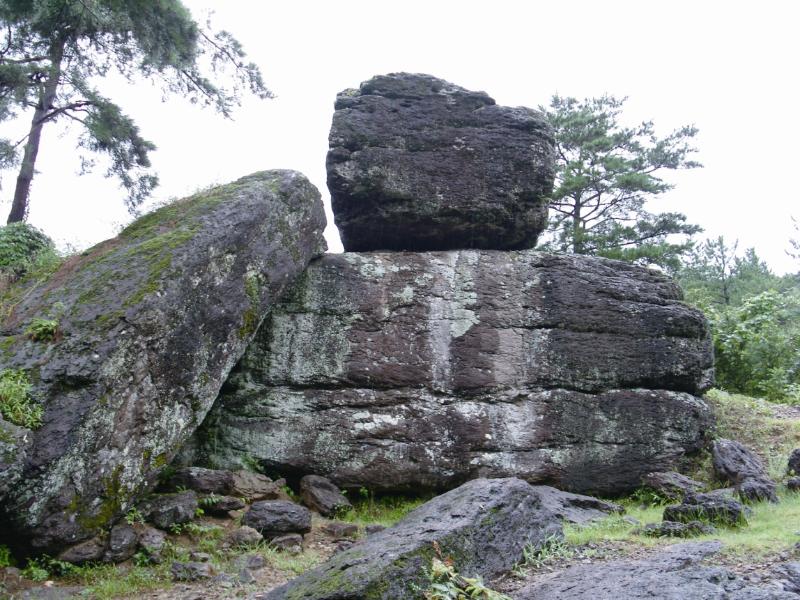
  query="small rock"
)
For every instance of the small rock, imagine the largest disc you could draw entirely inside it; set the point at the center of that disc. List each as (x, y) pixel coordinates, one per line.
(203, 481)
(793, 466)
(152, 541)
(165, 510)
(88, 551)
(274, 518)
(374, 528)
(200, 557)
(254, 562)
(321, 495)
(757, 489)
(244, 536)
(221, 506)
(224, 580)
(254, 486)
(191, 571)
(709, 508)
(246, 577)
(673, 529)
(631, 521)
(671, 485)
(793, 484)
(337, 529)
(291, 543)
(734, 462)
(121, 544)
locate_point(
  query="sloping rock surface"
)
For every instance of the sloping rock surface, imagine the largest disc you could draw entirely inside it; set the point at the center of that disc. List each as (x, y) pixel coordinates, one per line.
(422, 370)
(149, 325)
(673, 574)
(483, 526)
(417, 163)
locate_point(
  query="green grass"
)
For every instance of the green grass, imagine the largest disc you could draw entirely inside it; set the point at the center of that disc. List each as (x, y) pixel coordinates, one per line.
(16, 403)
(386, 510)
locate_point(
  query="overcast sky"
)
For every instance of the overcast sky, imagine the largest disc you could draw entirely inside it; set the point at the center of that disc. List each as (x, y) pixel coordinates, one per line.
(731, 68)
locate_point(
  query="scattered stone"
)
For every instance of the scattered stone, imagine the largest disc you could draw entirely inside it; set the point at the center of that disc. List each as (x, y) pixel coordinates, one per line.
(793, 484)
(191, 571)
(274, 518)
(793, 467)
(255, 486)
(374, 528)
(417, 163)
(714, 509)
(338, 529)
(757, 489)
(223, 505)
(244, 536)
(88, 551)
(166, 510)
(677, 530)
(201, 480)
(319, 494)
(494, 518)
(442, 354)
(122, 542)
(733, 462)
(291, 543)
(150, 323)
(671, 485)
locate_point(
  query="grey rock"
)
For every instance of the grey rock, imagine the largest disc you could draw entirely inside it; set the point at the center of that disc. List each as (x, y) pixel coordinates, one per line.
(254, 486)
(252, 562)
(671, 485)
(575, 508)
(678, 530)
(85, 552)
(410, 371)
(220, 506)
(151, 324)
(246, 577)
(417, 163)
(201, 480)
(274, 518)
(793, 466)
(165, 510)
(338, 529)
(320, 494)
(733, 462)
(673, 574)
(793, 484)
(483, 525)
(244, 536)
(374, 528)
(710, 508)
(291, 543)
(152, 541)
(122, 542)
(757, 489)
(191, 571)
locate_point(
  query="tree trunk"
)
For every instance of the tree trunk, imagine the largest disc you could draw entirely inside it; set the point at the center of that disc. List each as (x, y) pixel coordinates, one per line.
(577, 241)
(47, 94)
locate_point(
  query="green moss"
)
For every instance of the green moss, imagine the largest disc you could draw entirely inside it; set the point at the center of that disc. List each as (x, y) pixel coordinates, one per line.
(113, 498)
(160, 460)
(252, 316)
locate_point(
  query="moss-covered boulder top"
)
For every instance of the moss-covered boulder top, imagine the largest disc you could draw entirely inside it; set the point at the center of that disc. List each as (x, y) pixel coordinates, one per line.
(126, 346)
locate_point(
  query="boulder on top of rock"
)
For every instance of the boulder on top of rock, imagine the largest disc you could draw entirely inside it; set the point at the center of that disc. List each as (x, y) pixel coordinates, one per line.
(733, 462)
(417, 163)
(483, 526)
(409, 371)
(149, 325)
(671, 485)
(321, 495)
(274, 518)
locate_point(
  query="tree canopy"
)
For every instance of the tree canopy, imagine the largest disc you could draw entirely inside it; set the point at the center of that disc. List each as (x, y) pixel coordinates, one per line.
(56, 52)
(605, 174)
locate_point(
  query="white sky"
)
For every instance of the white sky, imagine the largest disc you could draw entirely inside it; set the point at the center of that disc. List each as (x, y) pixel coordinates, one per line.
(731, 68)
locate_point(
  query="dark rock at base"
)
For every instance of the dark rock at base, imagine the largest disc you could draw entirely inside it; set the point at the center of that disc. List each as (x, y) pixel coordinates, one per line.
(793, 484)
(671, 485)
(150, 324)
(201, 480)
(88, 551)
(220, 506)
(483, 526)
(319, 494)
(710, 508)
(678, 530)
(417, 163)
(793, 466)
(673, 574)
(733, 462)
(274, 518)
(757, 489)
(244, 536)
(573, 371)
(122, 543)
(165, 510)
(255, 486)
(291, 543)
(191, 571)
(338, 529)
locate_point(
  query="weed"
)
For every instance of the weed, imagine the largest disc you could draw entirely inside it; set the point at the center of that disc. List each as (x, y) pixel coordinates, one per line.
(133, 516)
(6, 559)
(447, 584)
(42, 330)
(16, 403)
(553, 548)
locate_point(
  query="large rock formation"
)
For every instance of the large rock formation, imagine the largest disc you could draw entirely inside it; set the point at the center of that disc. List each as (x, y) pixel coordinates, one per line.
(417, 163)
(149, 325)
(404, 371)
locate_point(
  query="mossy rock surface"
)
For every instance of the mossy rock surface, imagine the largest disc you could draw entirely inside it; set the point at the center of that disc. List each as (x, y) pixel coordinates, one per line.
(150, 323)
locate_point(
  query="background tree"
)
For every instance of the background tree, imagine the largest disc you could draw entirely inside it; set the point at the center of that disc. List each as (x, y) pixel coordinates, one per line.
(56, 52)
(795, 242)
(605, 175)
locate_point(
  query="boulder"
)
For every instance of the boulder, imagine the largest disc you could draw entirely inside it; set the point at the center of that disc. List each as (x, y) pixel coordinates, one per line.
(409, 371)
(254, 486)
(417, 163)
(757, 489)
(793, 484)
(122, 543)
(166, 510)
(203, 481)
(483, 526)
(152, 542)
(291, 543)
(85, 552)
(274, 518)
(675, 573)
(733, 462)
(149, 325)
(244, 536)
(709, 508)
(319, 494)
(191, 571)
(671, 485)
(793, 466)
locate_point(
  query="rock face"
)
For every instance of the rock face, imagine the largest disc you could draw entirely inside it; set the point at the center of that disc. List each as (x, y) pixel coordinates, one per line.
(417, 163)
(401, 371)
(673, 574)
(484, 525)
(149, 325)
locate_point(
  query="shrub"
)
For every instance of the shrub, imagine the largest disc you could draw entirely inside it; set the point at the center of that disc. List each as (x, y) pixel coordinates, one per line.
(21, 245)
(16, 404)
(42, 330)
